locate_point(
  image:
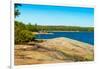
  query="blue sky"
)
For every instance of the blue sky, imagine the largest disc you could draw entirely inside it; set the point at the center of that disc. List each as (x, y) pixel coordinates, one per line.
(56, 15)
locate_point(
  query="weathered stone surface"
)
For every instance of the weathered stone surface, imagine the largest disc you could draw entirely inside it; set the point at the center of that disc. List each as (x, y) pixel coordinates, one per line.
(72, 49)
(53, 51)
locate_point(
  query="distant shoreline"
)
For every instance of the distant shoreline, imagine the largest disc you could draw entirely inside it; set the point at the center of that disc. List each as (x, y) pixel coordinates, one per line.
(41, 33)
(51, 32)
(64, 31)
(71, 31)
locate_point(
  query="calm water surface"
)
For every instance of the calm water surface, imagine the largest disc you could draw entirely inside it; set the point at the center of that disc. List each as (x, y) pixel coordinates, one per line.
(87, 37)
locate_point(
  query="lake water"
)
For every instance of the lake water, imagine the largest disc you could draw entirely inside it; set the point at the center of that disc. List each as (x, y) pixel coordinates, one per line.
(87, 37)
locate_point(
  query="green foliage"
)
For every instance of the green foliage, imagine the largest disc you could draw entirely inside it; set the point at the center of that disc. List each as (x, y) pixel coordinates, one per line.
(20, 25)
(22, 35)
(16, 10)
(64, 28)
(37, 28)
(33, 28)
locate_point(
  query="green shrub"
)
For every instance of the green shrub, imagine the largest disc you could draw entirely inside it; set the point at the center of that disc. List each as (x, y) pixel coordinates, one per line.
(22, 35)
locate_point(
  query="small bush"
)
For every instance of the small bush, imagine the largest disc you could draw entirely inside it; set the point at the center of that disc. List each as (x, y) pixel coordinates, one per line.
(22, 35)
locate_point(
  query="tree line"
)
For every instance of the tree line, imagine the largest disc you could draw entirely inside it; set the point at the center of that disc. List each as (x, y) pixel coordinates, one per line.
(38, 28)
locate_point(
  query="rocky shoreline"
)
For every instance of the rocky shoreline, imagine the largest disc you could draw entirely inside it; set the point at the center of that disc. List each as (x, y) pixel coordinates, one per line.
(55, 50)
(41, 33)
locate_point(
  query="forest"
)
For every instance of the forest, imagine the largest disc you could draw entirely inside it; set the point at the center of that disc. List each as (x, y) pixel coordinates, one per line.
(47, 28)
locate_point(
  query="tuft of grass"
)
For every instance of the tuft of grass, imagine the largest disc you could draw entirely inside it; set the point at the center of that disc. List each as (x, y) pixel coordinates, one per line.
(88, 57)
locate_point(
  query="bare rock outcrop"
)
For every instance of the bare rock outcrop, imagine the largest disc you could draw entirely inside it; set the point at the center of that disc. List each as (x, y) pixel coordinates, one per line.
(54, 51)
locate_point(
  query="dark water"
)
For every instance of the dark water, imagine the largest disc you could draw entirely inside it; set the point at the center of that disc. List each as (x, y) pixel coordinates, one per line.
(87, 37)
